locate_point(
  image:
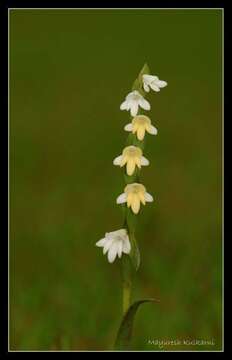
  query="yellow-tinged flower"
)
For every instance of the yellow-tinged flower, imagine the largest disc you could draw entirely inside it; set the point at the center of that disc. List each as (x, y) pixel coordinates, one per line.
(132, 156)
(139, 125)
(133, 195)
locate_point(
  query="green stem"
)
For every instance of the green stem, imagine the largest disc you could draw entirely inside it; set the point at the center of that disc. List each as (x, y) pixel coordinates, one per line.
(127, 284)
(128, 268)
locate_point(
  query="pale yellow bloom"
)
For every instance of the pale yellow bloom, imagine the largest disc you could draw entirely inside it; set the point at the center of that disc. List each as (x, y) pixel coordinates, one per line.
(132, 156)
(139, 125)
(133, 195)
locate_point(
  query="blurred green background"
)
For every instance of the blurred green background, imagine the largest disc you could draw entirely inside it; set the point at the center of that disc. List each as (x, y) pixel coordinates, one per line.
(69, 72)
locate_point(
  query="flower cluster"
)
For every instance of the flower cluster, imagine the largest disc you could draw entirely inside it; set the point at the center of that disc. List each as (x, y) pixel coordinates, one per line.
(117, 242)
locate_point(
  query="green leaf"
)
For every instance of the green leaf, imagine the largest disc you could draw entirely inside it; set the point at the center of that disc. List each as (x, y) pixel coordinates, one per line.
(138, 83)
(145, 70)
(125, 330)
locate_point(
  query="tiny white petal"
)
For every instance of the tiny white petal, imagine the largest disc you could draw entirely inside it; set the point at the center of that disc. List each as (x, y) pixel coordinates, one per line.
(107, 245)
(134, 108)
(124, 105)
(112, 253)
(121, 199)
(161, 83)
(128, 127)
(144, 161)
(155, 87)
(117, 160)
(120, 244)
(149, 78)
(153, 130)
(121, 232)
(144, 104)
(101, 242)
(148, 197)
(131, 94)
(126, 246)
(146, 87)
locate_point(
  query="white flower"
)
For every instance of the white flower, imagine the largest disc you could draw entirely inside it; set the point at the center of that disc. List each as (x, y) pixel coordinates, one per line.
(133, 195)
(153, 82)
(140, 124)
(116, 243)
(131, 156)
(133, 100)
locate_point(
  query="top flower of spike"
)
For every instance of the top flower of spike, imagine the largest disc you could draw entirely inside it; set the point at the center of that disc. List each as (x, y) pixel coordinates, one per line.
(153, 82)
(133, 100)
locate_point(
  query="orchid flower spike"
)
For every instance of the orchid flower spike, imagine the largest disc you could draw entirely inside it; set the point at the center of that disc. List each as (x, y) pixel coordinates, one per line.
(132, 102)
(153, 82)
(132, 156)
(115, 243)
(139, 125)
(134, 194)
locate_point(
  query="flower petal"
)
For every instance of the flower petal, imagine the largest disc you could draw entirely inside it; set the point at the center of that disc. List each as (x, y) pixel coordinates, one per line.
(130, 167)
(121, 199)
(107, 245)
(130, 197)
(135, 205)
(128, 127)
(140, 133)
(142, 198)
(126, 248)
(135, 127)
(144, 104)
(146, 87)
(138, 162)
(124, 105)
(121, 232)
(155, 87)
(123, 160)
(112, 253)
(152, 130)
(120, 244)
(131, 94)
(148, 197)
(144, 161)
(117, 160)
(101, 242)
(134, 108)
(149, 78)
(161, 83)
